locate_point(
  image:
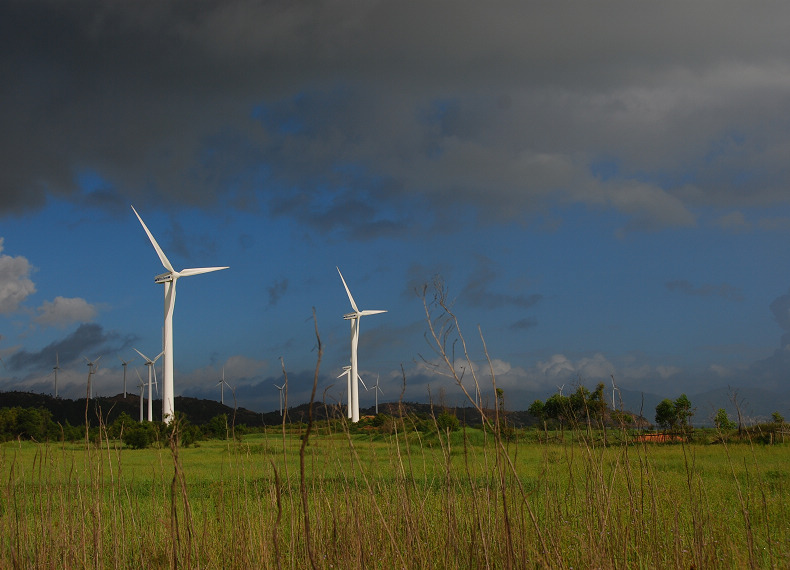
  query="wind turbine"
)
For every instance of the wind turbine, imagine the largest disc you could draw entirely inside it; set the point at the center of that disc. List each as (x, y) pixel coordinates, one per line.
(92, 367)
(56, 368)
(559, 389)
(141, 385)
(347, 373)
(614, 387)
(124, 363)
(168, 279)
(150, 364)
(354, 317)
(376, 391)
(280, 388)
(222, 385)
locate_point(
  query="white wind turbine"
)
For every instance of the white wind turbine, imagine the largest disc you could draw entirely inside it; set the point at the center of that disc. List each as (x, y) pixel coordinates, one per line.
(347, 373)
(222, 385)
(56, 368)
(376, 391)
(141, 385)
(92, 367)
(124, 363)
(151, 374)
(280, 388)
(354, 317)
(168, 279)
(614, 387)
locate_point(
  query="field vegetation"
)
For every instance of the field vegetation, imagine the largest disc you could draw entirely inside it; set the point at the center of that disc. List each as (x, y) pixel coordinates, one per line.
(399, 491)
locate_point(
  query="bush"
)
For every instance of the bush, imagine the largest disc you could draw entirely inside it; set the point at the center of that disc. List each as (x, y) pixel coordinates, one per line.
(447, 422)
(140, 436)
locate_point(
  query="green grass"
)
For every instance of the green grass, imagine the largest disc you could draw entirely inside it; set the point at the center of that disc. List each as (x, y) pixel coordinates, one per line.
(387, 501)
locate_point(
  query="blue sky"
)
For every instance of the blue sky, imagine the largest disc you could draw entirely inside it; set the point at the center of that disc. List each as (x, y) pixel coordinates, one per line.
(602, 195)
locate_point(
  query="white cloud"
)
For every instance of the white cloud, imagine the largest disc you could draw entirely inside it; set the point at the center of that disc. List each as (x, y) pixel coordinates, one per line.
(64, 311)
(15, 283)
(667, 371)
(558, 365)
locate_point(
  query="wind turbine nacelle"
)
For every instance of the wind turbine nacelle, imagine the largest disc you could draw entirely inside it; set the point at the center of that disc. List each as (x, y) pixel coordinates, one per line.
(164, 278)
(350, 316)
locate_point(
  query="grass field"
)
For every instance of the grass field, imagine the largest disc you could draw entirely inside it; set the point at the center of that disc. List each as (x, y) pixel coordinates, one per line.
(402, 500)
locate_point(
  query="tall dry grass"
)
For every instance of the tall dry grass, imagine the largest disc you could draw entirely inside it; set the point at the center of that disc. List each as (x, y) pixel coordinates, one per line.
(328, 497)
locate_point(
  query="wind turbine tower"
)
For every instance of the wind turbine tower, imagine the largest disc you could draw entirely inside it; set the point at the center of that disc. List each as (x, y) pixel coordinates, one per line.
(56, 368)
(222, 385)
(141, 385)
(124, 363)
(280, 388)
(151, 374)
(354, 317)
(376, 391)
(92, 367)
(168, 279)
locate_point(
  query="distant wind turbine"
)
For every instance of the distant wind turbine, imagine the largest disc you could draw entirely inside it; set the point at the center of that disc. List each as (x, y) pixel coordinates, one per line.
(93, 366)
(559, 389)
(222, 385)
(355, 317)
(141, 385)
(56, 368)
(124, 363)
(376, 391)
(614, 387)
(280, 388)
(151, 373)
(168, 279)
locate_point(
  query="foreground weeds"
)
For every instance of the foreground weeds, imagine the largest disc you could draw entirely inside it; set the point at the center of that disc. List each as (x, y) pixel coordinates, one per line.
(330, 498)
(404, 500)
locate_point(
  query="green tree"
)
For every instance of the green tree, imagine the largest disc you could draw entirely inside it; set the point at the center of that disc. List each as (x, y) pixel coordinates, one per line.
(538, 409)
(666, 418)
(139, 436)
(777, 418)
(447, 422)
(722, 421)
(683, 412)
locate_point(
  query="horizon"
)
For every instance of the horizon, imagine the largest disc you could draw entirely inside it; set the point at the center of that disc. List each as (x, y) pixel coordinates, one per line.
(599, 198)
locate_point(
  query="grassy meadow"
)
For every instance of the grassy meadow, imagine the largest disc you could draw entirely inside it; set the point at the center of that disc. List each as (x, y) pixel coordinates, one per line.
(464, 499)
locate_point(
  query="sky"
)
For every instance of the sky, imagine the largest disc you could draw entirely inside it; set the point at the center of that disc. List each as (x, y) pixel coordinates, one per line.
(602, 188)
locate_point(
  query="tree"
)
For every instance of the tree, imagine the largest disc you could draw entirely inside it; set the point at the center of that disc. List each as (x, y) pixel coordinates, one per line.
(683, 412)
(722, 421)
(674, 415)
(447, 422)
(665, 414)
(538, 410)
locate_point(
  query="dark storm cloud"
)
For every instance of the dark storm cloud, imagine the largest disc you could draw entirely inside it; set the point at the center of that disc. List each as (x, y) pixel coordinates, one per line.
(524, 324)
(88, 340)
(505, 110)
(276, 291)
(724, 290)
(476, 292)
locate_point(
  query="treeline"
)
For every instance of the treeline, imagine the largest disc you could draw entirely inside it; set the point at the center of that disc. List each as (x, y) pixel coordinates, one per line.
(582, 407)
(37, 424)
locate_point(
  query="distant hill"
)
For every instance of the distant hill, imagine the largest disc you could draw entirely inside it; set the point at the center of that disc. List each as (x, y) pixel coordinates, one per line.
(756, 405)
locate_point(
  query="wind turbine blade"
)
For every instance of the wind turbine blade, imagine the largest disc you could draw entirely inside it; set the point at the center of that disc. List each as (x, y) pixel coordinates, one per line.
(348, 292)
(157, 356)
(143, 355)
(370, 312)
(159, 252)
(199, 270)
(363, 382)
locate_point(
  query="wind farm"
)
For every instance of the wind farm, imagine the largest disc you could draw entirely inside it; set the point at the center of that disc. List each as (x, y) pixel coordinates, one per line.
(561, 332)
